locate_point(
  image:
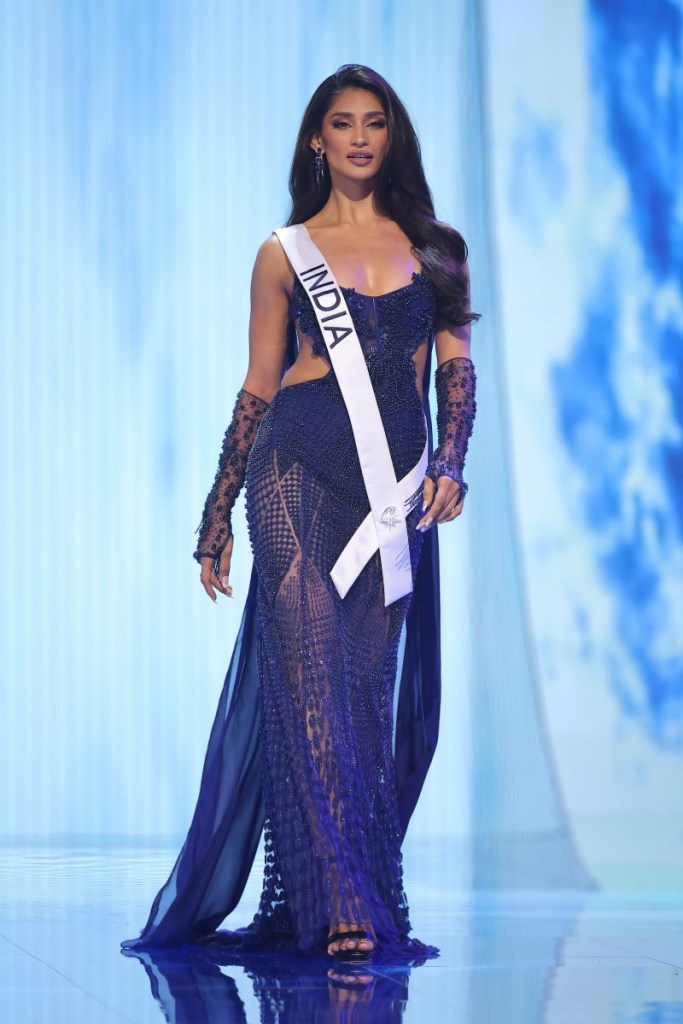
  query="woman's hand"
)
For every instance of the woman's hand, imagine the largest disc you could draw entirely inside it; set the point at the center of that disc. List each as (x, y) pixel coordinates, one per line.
(222, 581)
(446, 503)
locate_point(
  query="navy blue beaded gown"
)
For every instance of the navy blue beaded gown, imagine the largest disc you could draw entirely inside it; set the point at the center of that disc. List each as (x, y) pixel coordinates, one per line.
(328, 717)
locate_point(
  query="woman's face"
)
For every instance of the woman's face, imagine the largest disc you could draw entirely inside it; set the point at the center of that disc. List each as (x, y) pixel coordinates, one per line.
(354, 135)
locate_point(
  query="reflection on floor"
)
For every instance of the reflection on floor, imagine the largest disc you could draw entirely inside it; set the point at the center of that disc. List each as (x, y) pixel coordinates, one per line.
(506, 956)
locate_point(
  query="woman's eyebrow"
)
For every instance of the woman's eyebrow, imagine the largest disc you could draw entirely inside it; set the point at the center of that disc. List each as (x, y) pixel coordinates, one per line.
(347, 113)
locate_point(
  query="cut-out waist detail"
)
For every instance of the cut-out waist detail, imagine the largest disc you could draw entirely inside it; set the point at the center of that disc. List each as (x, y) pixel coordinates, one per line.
(306, 367)
(285, 385)
(395, 372)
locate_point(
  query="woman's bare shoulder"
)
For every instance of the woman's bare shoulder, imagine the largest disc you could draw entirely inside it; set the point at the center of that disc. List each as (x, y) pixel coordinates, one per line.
(271, 266)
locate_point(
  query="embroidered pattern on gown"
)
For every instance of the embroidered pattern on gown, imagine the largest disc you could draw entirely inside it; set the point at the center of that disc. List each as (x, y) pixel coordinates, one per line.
(306, 741)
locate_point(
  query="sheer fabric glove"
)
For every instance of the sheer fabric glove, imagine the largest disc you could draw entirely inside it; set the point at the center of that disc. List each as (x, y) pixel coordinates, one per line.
(455, 411)
(215, 529)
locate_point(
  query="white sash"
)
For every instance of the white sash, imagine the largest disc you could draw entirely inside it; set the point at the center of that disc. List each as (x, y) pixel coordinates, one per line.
(390, 501)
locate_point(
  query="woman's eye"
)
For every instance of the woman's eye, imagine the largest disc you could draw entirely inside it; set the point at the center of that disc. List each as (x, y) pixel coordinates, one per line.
(347, 124)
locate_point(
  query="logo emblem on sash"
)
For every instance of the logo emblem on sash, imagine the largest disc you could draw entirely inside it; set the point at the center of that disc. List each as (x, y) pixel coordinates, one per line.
(389, 517)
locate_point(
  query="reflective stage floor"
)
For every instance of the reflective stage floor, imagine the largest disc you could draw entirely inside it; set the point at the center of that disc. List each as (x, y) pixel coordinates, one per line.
(512, 956)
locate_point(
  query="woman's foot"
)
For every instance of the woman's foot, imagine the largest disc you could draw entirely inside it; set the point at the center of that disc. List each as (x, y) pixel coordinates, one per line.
(357, 946)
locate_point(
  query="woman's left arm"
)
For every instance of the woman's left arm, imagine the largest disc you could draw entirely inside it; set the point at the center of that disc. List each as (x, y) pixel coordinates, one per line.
(444, 488)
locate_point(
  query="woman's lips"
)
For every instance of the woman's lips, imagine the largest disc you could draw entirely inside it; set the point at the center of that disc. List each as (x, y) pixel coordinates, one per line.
(360, 158)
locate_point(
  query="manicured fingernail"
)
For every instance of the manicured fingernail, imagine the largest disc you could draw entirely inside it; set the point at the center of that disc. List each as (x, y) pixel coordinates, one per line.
(224, 580)
(429, 522)
(424, 505)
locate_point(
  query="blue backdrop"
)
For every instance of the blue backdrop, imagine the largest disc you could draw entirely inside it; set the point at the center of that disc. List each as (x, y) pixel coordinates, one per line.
(145, 157)
(587, 160)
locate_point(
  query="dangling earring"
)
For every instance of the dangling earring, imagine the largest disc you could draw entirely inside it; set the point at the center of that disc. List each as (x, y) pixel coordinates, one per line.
(319, 166)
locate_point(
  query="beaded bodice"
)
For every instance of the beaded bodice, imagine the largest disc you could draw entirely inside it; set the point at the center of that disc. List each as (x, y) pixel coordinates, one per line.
(388, 325)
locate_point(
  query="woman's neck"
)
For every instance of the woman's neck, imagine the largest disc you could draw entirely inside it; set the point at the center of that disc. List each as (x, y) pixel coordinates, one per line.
(344, 207)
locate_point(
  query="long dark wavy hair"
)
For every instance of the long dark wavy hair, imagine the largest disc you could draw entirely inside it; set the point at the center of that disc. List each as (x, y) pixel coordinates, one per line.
(401, 189)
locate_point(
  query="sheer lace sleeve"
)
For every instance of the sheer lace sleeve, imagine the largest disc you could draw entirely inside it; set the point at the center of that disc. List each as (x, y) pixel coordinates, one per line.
(215, 529)
(455, 411)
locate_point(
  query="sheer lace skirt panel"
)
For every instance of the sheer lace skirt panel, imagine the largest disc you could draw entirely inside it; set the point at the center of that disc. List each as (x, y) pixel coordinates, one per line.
(327, 673)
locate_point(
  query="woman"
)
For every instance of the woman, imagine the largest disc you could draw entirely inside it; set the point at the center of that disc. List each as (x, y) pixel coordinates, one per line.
(303, 739)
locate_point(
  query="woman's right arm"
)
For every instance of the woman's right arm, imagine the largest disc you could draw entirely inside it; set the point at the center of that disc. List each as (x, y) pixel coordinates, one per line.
(267, 347)
(268, 320)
